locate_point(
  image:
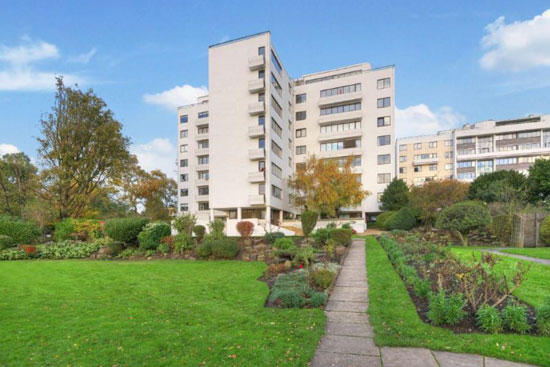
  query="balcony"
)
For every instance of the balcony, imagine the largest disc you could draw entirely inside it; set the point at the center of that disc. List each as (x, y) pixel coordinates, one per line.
(340, 153)
(202, 167)
(340, 98)
(202, 122)
(341, 117)
(256, 62)
(201, 182)
(201, 197)
(203, 136)
(256, 108)
(202, 151)
(419, 162)
(256, 199)
(256, 85)
(256, 131)
(256, 154)
(256, 177)
(345, 134)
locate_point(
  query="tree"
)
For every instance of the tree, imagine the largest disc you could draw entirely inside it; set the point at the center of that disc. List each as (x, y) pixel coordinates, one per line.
(482, 188)
(427, 200)
(82, 149)
(309, 220)
(19, 183)
(395, 196)
(538, 183)
(462, 218)
(324, 187)
(159, 194)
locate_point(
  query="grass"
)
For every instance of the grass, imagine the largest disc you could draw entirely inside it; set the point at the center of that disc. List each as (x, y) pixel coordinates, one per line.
(536, 284)
(147, 313)
(396, 322)
(539, 253)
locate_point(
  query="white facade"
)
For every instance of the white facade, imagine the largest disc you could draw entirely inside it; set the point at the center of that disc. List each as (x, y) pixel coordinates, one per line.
(239, 148)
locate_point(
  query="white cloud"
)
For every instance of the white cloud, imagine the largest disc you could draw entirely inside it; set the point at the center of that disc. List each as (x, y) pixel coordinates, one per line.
(157, 154)
(420, 120)
(31, 80)
(28, 52)
(517, 46)
(177, 96)
(83, 58)
(7, 149)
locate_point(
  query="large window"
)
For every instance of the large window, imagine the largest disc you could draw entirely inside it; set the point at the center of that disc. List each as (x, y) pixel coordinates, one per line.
(383, 102)
(184, 207)
(300, 149)
(300, 115)
(203, 114)
(261, 50)
(184, 119)
(340, 144)
(383, 83)
(301, 133)
(184, 177)
(184, 192)
(300, 98)
(276, 170)
(203, 190)
(183, 133)
(204, 206)
(403, 147)
(384, 140)
(340, 109)
(276, 149)
(261, 143)
(202, 130)
(384, 178)
(432, 144)
(276, 106)
(485, 144)
(276, 192)
(203, 159)
(275, 126)
(546, 139)
(341, 162)
(183, 148)
(484, 167)
(203, 175)
(466, 175)
(276, 63)
(344, 126)
(203, 144)
(276, 85)
(261, 120)
(417, 146)
(425, 156)
(341, 90)
(465, 164)
(384, 159)
(383, 121)
(505, 161)
(184, 163)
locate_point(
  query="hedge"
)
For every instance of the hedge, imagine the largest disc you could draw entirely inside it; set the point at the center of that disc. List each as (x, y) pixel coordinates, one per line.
(125, 229)
(20, 232)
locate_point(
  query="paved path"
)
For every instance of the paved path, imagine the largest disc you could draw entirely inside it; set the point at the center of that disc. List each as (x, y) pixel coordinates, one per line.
(348, 341)
(521, 257)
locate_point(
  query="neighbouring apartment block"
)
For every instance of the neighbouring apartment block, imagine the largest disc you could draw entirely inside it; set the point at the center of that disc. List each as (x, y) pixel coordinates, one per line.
(239, 145)
(474, 149)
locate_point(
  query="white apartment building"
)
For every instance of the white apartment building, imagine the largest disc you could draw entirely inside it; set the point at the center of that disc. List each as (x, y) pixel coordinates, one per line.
(239, 145)
(484, 147)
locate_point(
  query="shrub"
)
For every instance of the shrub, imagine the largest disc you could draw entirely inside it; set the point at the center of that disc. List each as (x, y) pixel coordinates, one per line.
(545, 230)
(226, 248)
(64, 229)
(462, 218)
(20, 231)
(342, 236)
(321, 236)
(290, 290)
(150, 236)
(164, 248)
(304, 256)
(445, 309)
(185, 223)
(199, 231)
(169, 240)
(125, 229)
(183, 242)
(69, 250)
(346, 225)
(13, 254)
(382, 218)
(271, 237)
(285, 247)
(216, 229)
(488, 319)
(514, 318)
(395, 196)
(309, 220)
(88, 228)
(502, 228)
(204, 250)
(6, 241)
(543, 317)
(422, 288)
(129, 252)
(403, 219)
(115, 247)
(30, 250)
(317, 299)
(275, 269)
(320, 278)
(245, 228)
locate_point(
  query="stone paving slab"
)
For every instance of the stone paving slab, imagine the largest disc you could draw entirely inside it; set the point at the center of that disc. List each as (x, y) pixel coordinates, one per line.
(353, 317)
(492, 362)
(349, 329)
(407, 357)
(354, 283)
(447, 359)
(349, 344)
(344, 306)
(327, 359)
(349, 294)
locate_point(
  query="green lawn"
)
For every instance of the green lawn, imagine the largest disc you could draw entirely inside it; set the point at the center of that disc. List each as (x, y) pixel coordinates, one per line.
(541, 252)
(147, 313)
(535, 286)
(396, 322)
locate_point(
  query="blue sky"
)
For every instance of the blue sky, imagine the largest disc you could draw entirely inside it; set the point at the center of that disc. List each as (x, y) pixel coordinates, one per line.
(456, 62)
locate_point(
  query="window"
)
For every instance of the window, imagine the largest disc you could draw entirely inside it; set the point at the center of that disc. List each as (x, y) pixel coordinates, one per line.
(183, 134)
(433, 167)
(384, 140)
(300, 149)
(529, 134)
(276, 192)
(203, 114)
(203, 190)
(468, 151)
(448, 143)
(402, 169)
(340, 144)
(418, 169)
(484, 167)
(261, 97)
(402, 158)
(433, 144)
(383, 102)
(379, 196)
(383, 121)
(417, 146)
(261, 74)
(203, 144)
(184, 119)
(184, 207)
(276, 85)
(184, 177)
(261, 120)
(466, 175)
(465, 164)
(184, 163)
(204, 206)
(202, 130)
(340, 108)
(384, 178)
(261, 189)
(425, 156)
(546, 139)
(276, 149)
(335, 76)
(300, 98)
(275, 126)
(261, 50)
(300, 133)
(300, 115)
(290, 162)
(448, 154)
(261, 143)
(403, 147)
(276, 170)
(276, 106)
(183, 148)
(184, 192)
(261, 166)
(383, 83)
(275, 62)
(341, 90)
(203, 159)
(203, 175)
(465, 140)
(485, 144)
(448, 166)
(384, 159)
(344, 126)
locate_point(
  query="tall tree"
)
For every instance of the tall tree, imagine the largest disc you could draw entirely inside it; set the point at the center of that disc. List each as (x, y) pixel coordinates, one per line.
(395, 196)
(538, 183)
(324, 187)
(82, 149)
(159, 194)
(481, 188)
(18, 183)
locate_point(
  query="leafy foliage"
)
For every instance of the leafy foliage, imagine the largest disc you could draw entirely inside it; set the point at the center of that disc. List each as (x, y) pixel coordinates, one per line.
(543, 317)
(216, 229)
(68, 250)
(199, 231)
(6, 241)
(538, 183)
(489, 320)
(342, 236)
(18, 183)
(185, 223)
(514, 318)
(309, 220)
(19, 230)
(403, 219)
(545, 230)
(304, 256)
(395, 196)
(488, 187)
(150, 236)
(13, 254)
(226, 248)
(462, 218)
(285, 247)
(382, 218)
(183, 242)
(320, 278)
(125, 229)
(271, 237)
(446, 309)
(245, 229)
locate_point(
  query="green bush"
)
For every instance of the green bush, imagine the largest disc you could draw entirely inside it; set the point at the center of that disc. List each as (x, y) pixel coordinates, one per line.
(149, 238)
(13, 254)
(226, 248)
(382, 218)
(320, 278)
(204, 250)
(199, 231)
(321, 236)
(488, 319)
(115, 247)
(502, 228)
(284, 244)
(317, 299)
(183, 242)
(445, 309)
(422, 288)
(271, 237)
(125, 229)
(543, 317)
(216, 229)
(64, 229)
(164, 248)
(403, 219)
(462, 218)
(185, 223)
(545, 230)
(309, 220)
(304, 256)
(514, 318)
(290, 290)
(342, 236)
(20, 231)
(6, 241)
(68, 250)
